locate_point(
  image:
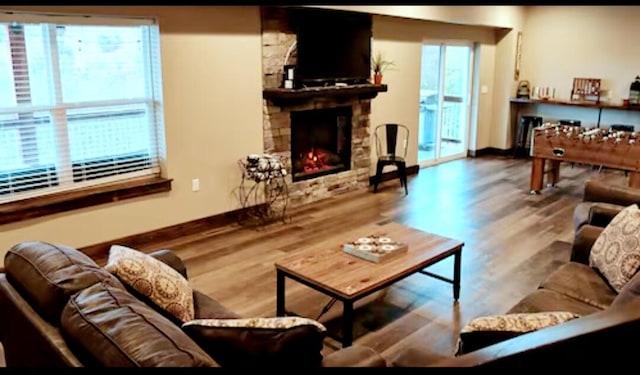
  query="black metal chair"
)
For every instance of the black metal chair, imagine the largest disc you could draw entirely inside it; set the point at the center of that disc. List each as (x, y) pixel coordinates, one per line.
(391, 141)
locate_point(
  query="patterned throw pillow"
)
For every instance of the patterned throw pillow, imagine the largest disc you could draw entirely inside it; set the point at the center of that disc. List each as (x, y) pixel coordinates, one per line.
(260, 342)
(154, 279)
(616, 252)
(489, 330)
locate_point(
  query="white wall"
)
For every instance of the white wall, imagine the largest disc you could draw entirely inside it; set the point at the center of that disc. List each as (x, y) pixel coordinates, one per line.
(564, 42)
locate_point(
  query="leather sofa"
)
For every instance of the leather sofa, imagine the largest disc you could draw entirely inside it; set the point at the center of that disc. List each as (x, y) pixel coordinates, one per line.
(601, 201)
(59, 308)
(608, 320)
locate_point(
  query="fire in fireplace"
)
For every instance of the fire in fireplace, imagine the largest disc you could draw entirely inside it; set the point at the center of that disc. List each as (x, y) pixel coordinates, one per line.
(320, 142)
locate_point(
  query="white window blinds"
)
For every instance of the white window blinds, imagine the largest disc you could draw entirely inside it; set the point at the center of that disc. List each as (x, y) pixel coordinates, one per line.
(80, 102)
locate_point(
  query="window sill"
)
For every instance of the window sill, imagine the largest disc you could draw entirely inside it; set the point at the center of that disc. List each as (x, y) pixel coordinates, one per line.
(87, 197)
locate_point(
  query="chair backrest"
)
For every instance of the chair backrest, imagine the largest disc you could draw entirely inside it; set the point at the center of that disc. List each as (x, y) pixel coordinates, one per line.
(391, 140)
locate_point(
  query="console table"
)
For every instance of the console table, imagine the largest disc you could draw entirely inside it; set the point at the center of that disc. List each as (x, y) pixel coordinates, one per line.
(518, 102)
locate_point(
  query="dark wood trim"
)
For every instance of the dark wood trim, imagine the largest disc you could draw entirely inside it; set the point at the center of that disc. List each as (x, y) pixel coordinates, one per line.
(490, 151)
(411, 170)
(287, 97)
(71, 200)
(147, 240)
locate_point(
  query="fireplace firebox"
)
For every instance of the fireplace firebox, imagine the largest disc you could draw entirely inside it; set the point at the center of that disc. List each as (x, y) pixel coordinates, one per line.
(320, 142)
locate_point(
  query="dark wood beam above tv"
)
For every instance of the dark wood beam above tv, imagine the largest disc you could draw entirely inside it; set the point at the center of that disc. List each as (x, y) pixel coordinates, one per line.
(287, 97)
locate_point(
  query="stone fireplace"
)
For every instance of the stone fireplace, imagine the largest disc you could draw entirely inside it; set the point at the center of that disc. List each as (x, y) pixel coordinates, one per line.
(302, 125)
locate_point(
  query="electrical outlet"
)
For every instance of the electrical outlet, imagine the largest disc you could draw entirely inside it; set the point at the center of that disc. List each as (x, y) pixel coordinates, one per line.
(484, 89)
(195, 184)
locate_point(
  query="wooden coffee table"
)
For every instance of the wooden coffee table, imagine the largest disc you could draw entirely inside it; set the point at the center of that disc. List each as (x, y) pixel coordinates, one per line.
(347, 278)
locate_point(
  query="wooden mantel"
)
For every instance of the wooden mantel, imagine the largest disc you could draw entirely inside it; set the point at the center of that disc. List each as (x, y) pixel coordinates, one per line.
(284, 97)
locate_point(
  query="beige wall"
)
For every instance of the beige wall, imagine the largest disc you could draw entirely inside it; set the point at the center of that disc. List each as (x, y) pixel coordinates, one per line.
(401, 41)
(211, 65)
(564, 42)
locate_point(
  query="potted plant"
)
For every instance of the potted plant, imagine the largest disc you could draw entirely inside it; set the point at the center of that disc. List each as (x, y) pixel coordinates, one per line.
(379, 64)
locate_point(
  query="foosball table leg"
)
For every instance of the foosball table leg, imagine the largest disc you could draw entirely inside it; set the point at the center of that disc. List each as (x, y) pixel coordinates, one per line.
(534, 192)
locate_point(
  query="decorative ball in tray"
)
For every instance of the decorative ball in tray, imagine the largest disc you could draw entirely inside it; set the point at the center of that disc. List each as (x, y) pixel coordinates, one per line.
(375, 248)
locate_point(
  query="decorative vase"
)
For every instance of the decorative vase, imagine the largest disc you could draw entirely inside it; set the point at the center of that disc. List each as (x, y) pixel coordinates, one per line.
(377, 78)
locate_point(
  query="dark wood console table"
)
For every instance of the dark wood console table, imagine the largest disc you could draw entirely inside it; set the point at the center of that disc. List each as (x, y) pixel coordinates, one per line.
(573, 103)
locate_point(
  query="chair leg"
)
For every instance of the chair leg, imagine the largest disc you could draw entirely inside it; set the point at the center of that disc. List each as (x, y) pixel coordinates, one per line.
(378, 177)
(402, 171)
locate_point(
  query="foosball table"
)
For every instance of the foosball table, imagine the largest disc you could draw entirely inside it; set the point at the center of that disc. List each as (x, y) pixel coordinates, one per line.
(596, 146)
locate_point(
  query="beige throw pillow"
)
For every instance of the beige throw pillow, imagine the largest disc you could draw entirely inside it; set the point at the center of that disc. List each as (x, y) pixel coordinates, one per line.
(488, 330)
(150, 277)
(616, 252)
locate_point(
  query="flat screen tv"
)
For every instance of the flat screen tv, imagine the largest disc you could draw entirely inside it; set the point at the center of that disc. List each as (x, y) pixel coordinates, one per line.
(332, 47)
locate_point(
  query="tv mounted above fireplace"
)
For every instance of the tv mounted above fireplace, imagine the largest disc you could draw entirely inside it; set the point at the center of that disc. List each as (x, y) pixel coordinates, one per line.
(332, 47)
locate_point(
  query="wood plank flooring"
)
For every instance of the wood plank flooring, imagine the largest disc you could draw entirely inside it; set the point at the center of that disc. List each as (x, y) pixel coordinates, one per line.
(512, 240)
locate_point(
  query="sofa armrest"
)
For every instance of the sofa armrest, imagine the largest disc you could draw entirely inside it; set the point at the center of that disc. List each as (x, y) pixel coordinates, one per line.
(598, 191)
(583, 240)
(354, 356)
(169, 257)
(600, 214)
(599, 337)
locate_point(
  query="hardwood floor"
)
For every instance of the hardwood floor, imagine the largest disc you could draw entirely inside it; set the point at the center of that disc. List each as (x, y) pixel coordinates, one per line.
(512, 239)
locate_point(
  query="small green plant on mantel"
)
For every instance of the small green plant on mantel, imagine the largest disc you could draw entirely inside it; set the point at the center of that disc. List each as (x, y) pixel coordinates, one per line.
(379, 64)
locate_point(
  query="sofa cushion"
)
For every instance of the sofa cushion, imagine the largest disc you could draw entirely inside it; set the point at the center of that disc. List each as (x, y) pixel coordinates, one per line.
(48, 274)
(258, 342)
(154, 279)
(206, 307)
(616, 252)
(630, 293)
(581, 282)
(582, 213)
(115, 329)
(549, 300)
(488, 330)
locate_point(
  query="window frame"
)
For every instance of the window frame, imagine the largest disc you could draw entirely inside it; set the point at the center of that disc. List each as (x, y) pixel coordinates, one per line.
(52, 202)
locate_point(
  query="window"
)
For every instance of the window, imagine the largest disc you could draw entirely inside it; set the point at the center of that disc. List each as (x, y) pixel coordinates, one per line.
(80, 102)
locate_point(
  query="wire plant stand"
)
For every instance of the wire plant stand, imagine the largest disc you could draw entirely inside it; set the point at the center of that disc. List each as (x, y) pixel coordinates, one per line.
(263, 192)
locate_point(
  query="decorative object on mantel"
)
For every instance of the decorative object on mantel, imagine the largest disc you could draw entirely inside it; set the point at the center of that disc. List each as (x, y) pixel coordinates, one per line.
(263, 192)
(288, 78)
(586, 89)
(375, 248)
(379, 64)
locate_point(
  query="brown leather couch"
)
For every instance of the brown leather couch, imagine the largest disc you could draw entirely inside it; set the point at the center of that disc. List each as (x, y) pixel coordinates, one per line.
(609, 321)
(59, 308)
(601, 201)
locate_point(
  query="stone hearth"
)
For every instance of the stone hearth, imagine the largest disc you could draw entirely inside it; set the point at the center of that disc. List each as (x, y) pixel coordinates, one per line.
(277, 38)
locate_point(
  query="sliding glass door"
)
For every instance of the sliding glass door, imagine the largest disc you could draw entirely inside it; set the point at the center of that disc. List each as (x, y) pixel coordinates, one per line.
(445, 87)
